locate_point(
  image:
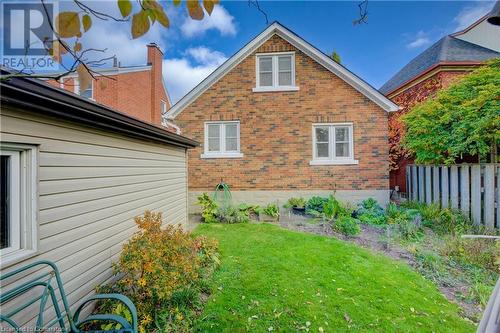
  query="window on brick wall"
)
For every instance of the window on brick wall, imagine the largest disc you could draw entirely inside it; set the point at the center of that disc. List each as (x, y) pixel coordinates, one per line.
(275, 72)
(333, 144)
(222, 139)
(88, 93)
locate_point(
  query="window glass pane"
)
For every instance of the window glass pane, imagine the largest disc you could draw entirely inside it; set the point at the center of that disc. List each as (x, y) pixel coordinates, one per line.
(265, 64)
(285, 78)
(321, 134)
(4, 202)
(213, 144)
(231, 144)
(322, 149)
(341, 134)
(87, 93)
(214, 131)
(341, 150)
(285, 63)
(266, 79)
(231, 131)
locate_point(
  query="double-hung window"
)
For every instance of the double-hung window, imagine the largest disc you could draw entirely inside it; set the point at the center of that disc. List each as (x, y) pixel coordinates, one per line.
(222, 139)
(88, 92)
(333, 144)
(18, 229)
(275, 72)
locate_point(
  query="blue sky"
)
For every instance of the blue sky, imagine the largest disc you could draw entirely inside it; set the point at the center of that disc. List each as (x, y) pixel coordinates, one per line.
(396, 32)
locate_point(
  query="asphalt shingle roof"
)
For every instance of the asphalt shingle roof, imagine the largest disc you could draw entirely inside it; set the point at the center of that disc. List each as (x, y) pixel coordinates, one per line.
(447, 49)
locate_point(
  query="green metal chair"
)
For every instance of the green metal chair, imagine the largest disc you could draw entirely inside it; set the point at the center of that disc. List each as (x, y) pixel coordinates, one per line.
(47, 288)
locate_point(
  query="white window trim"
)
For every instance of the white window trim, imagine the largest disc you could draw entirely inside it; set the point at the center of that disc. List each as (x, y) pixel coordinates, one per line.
(25, 210)
(77, 87)
(222, 153)
(275, 86)
(332, 160)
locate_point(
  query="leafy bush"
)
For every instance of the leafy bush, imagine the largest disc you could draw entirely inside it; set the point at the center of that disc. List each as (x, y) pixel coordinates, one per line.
(347, 225)
(158, 263)
(271, 210)
(232, 215)
(409, 229)
(370, 212)
(208, 208)
(315, 204)
(296, 202)
(334, 208)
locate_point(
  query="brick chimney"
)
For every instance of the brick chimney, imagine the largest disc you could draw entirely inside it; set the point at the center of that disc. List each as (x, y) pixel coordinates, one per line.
(155, 59)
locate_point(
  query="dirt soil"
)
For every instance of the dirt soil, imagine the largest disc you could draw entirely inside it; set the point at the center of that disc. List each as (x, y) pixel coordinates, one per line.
(374, 238)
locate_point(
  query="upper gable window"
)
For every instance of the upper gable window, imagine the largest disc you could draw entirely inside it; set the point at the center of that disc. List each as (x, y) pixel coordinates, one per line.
(275, 72)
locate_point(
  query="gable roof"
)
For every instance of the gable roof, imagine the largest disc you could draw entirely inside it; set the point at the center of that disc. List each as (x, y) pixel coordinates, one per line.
(278, 29)
(447, 50)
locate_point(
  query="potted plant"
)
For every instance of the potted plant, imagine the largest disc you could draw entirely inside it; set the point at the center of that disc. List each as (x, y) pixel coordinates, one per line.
(296, 204)
(270, 213)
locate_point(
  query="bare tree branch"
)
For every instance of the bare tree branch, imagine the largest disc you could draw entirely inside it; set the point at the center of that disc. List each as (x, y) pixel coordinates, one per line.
(363, 13)
(256, 4)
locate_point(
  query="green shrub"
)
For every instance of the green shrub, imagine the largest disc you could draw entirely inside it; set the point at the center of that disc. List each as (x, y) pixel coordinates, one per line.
(231, 215)
(157, 265)
(315, 204)
(347, 225)
(370, 212)
(271, 210)
(295, 202)
(208, 208)
(409, 229)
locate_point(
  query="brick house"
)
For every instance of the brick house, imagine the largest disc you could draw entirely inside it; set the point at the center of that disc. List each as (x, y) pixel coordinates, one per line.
(138, 91)
(435, 68)
(281, 119)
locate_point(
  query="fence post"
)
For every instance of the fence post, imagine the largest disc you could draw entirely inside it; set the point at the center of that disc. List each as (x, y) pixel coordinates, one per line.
(454, 186)
(435, 186)
(476, 193)
(465, 190)
(489, 195)
(428, 185)
(414, 184)
(408, 182)
(421, 184)
(444, 187)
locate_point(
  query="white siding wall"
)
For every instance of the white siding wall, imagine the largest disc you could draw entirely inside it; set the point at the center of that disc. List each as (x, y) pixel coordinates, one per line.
(92, 183)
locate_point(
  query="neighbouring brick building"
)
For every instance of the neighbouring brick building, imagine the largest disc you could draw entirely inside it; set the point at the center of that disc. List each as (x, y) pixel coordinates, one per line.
(281, 119)
(434, 69)
(138, 91)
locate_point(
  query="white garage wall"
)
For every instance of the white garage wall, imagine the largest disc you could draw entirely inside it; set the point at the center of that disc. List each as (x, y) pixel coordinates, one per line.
(92, 183)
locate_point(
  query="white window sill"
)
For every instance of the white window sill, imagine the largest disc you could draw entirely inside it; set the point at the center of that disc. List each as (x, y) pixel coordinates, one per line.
(271, 89)
(16, 256)
(333, 162)
(222, 155)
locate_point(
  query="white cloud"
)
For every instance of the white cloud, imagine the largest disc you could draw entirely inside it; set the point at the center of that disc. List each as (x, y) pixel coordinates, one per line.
(421, 39)
(219, 20)
(183, 74)
(205, 56)
(471, 13)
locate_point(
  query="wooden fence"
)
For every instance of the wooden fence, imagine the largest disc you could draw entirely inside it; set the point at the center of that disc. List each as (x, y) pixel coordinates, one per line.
(472, 188)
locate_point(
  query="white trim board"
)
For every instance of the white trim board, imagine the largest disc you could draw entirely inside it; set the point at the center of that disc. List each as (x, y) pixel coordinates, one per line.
(278, 29)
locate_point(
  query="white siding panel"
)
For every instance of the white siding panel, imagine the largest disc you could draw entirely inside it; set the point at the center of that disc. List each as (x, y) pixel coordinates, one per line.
(92, 183)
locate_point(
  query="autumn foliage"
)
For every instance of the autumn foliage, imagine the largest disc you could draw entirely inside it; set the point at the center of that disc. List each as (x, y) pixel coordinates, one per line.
(157, 262)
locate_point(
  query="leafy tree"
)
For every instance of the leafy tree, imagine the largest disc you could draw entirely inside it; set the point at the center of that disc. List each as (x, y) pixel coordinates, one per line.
(336, 57)
(462, 120)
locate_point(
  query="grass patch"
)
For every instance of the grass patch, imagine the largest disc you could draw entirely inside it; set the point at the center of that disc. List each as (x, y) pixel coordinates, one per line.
(277, 280)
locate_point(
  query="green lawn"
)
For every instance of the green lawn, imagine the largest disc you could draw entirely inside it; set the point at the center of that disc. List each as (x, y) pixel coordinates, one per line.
(273, 279)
